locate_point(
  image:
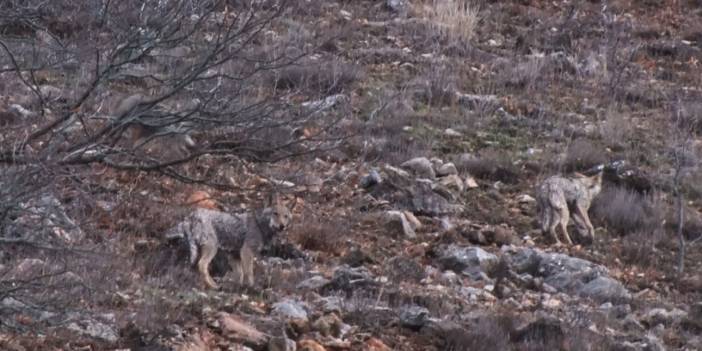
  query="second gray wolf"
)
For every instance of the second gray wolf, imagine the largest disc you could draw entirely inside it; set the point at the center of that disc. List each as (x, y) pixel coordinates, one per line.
(241, 236)
(558, 197)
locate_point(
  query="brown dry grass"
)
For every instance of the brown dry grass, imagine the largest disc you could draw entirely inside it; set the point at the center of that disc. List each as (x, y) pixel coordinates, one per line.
(455, 20)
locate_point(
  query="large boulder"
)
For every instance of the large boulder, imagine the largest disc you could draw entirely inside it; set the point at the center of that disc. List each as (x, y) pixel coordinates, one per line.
(473, 261)
(568, 274)
(418, 196)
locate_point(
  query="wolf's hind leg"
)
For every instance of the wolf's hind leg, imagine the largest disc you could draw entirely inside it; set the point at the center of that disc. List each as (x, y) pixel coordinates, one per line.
(207, 253)
(565, 217)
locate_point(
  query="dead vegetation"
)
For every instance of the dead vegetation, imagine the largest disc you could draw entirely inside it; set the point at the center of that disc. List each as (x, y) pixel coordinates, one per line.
(242, 98)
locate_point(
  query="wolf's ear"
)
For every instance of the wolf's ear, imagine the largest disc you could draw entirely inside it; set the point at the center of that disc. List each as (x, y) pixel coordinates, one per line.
(295, 202)
(272, 199)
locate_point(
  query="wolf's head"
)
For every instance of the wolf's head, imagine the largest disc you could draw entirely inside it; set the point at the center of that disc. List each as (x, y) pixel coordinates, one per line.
(593, 183)
(276, 215)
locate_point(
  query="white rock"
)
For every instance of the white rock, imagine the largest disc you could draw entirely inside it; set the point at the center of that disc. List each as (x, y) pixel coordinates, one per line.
(471, 183)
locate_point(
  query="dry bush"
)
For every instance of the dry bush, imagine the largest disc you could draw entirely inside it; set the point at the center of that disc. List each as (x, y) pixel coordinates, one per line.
(455, 20)
(491, 165)
(325, 78)
(522, 75)
(488, 333)
(623, 211)
(315, 234)
(439, 85)
(615, 129)
(640, 248)
(583, 154)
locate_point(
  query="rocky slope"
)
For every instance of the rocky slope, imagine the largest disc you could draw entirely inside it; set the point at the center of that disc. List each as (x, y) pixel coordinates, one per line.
(418, 232)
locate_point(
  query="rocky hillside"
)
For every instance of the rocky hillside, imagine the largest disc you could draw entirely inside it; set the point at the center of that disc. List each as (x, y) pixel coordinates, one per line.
(408, 138)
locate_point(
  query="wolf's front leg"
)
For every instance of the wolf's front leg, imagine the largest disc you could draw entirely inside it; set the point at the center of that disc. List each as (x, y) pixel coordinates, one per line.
(247, 264)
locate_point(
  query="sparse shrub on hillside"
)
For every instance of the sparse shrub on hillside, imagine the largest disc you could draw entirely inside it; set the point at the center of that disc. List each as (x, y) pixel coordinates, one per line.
(318, 235)
(523, 75)
(640, 248)
(623, 211)
(583, 154)
(440, 84)
(615, 129)
(325, 78)
(490, 165)
(455, 20)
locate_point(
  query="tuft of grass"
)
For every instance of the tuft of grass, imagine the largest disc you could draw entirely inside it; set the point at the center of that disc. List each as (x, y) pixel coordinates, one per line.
(455, 20)
(583, 154)
(624, 212)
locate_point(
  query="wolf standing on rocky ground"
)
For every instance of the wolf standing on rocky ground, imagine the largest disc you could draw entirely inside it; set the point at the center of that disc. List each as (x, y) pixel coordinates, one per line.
(558, 197)
(241, 236)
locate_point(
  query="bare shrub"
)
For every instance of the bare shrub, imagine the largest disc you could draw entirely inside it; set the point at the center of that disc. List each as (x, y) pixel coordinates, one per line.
(439, 85)
(623, 211)
(488, 333)
(640, 248)
(615, 129)
(491, 165)
(524, 74)
(583, 154)
(317, 235)
(325, 78)
(455, 20)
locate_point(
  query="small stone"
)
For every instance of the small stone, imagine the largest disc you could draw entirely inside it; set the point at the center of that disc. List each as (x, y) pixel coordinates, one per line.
(452, 181)
(414, 317)
(313, 283)
(328, 325)
(398, 6)
(459, 258)
(370, 179)
(396, 221)
(414, 222)
(446, 169)
(471, 183)
(421, 167)
(525, 199)
(290, 309)
(452, 133)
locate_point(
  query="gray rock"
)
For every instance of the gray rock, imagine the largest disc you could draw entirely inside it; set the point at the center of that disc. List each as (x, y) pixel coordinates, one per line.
(414, 195)
(291, 309)
(452, 133)
(414, 317)
(349, 279)
(396, 222)
(569, 274)
(331, 304)
(446, 169)
(45, 219)
(94, 328)
(459, 259)
(663, 316)
(401, 268)
(398, 6)
(313, 283)
(421, 167)
(370, 179)
(605, 289)
(453, 182)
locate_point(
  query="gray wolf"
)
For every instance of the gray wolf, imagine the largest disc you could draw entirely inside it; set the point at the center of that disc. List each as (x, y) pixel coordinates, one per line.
(558, 197)
(242, 236)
